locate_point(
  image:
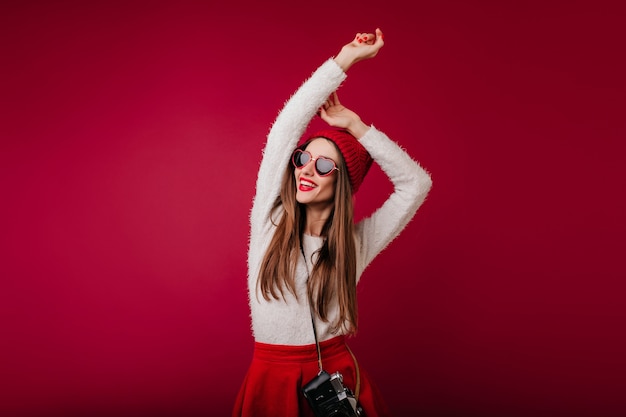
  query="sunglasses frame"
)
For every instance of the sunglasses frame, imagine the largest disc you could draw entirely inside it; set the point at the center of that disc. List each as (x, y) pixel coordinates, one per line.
(311, 159)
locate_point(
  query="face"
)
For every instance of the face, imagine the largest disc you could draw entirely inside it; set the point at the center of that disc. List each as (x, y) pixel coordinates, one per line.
(311, 188)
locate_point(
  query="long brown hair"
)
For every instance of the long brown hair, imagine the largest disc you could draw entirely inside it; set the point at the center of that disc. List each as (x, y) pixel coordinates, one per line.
(334, 273)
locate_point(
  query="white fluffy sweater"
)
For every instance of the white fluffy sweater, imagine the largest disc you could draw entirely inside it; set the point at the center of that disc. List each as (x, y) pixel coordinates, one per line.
(288, 321)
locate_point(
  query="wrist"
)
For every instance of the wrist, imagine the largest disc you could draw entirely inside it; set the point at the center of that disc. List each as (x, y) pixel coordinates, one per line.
(357, 128)
(345, 59)
(343, 62)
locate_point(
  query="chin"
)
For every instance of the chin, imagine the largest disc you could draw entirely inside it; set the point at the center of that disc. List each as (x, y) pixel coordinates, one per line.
(303, 200)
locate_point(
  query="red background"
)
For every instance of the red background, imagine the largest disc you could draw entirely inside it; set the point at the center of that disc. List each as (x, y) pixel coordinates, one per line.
(131, 134)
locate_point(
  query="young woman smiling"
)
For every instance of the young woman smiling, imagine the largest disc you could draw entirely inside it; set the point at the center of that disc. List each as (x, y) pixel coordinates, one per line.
(306, 254)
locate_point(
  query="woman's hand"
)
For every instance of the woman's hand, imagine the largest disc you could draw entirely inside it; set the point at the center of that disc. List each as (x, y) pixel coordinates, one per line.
(337, 115)
(364, 46)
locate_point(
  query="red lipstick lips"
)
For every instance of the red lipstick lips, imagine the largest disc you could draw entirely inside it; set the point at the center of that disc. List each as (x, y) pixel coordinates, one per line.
(308, 185)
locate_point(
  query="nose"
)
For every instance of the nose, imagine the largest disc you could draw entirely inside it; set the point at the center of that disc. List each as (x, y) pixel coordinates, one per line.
(309, 168)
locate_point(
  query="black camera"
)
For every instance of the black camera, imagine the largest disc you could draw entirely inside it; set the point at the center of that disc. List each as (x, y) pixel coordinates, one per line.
(329, 397)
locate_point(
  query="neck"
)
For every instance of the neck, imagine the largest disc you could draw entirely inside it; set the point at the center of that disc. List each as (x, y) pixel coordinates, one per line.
(316, 219)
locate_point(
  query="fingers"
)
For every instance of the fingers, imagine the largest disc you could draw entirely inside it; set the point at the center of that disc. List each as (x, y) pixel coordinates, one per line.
(365, 38)
(370, 38)
(332, 100)
(321, 112)
(380, 38)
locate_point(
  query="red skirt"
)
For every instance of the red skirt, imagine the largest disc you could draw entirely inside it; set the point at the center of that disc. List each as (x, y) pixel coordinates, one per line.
(273, 384)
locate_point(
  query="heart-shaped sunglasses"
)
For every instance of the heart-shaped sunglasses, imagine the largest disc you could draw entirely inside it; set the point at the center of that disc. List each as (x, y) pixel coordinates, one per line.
(323, 166)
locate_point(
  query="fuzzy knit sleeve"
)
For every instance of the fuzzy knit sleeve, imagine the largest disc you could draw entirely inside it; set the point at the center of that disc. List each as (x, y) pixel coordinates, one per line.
(283, 137)
(411, 184)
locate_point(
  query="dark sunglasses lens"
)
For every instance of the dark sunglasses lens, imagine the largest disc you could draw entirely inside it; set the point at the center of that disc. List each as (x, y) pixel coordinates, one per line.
(301, 158)
(324, 166)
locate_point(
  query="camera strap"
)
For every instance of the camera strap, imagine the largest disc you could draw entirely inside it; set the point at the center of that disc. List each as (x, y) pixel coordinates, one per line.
(317, 344)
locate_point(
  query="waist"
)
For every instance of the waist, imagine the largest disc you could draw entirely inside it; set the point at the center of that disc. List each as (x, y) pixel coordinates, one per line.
(303, 353)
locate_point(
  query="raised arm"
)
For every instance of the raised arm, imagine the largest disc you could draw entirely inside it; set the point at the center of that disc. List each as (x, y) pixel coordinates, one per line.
(411, 184)
(410, 181)
(295, 116)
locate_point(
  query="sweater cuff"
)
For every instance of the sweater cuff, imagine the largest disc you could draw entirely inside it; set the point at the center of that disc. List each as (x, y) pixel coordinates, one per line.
(371, 132)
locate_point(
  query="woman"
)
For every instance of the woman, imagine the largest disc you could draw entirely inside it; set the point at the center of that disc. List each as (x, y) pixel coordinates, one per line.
(306, 255)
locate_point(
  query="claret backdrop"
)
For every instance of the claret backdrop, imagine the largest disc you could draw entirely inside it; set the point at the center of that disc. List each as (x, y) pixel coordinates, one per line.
(131, 133)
